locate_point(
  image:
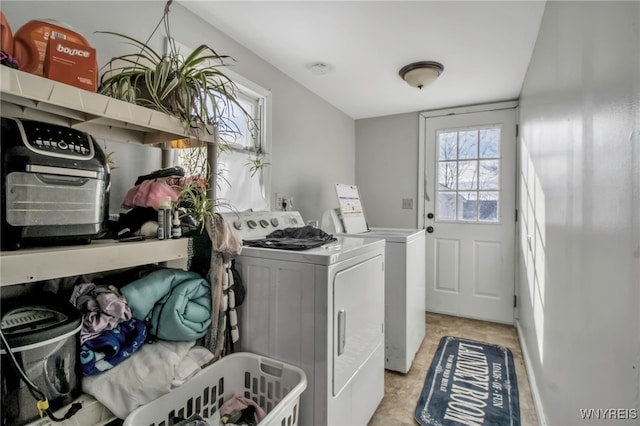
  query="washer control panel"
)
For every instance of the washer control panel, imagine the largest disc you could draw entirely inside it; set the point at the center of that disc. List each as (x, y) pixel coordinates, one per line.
(254, 225)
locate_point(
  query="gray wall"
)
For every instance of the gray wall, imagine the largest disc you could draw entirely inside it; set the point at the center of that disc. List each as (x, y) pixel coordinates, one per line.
(579, 278)
(387, 169)
(313, 143)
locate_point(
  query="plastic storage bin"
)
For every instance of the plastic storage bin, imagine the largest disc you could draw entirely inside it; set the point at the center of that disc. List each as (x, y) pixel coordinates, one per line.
(272, 384)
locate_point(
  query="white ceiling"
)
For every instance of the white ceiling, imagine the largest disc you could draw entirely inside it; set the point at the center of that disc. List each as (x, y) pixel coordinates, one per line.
(485, 47)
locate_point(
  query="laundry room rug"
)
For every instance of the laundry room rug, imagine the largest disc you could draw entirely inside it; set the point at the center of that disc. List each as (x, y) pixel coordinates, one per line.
(470, 383)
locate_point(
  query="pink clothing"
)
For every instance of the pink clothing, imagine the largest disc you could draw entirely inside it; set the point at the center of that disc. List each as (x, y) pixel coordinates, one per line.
(150, 193)
(239, 403)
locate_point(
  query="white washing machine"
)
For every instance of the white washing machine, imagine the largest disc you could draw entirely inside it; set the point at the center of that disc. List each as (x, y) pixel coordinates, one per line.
(321, 309)
(405, 298)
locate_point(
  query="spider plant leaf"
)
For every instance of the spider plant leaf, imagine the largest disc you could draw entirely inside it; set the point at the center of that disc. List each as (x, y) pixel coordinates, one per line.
(170, 87)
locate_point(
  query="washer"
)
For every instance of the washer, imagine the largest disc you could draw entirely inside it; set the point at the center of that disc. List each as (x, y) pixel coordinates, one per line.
(405, 298)
(321, 309)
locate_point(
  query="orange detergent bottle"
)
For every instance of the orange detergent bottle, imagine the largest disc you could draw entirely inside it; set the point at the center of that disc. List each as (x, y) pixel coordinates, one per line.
(6, 36)
(31, 40)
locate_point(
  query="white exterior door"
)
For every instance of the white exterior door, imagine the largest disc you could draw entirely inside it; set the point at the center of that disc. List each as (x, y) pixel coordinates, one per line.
(469, 213)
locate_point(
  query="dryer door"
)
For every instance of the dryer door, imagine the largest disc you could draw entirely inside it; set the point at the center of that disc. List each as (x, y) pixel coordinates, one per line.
(358, 318)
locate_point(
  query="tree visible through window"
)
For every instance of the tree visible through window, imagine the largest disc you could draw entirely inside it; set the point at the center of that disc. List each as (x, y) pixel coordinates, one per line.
(468, 172)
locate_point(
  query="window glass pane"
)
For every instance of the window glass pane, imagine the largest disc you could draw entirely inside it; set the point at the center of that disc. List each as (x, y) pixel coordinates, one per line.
(448, 146)
(467, 206)
(446, 205)
(489, 204)
(490, 174)
(236, 186)
(468, 175)
(239, 131)
(468, 144)
(447, 175)
(490, 143)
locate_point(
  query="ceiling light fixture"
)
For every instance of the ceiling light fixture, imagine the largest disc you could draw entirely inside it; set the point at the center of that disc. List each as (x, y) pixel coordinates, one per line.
(419, 74)
(320, 68)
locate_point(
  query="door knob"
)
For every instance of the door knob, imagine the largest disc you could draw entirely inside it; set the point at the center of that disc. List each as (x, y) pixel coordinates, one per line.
(430, 215)
(430, 229)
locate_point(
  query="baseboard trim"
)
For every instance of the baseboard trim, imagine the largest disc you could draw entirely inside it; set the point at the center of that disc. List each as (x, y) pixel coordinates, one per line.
(535, 393)
(459, 315)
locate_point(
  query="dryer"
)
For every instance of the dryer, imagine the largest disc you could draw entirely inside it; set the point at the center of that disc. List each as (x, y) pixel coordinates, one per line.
(320, 309)
(405, 293)
(405, 276)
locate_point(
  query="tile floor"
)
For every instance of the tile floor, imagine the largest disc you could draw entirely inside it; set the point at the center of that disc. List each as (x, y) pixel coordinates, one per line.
(402, 390)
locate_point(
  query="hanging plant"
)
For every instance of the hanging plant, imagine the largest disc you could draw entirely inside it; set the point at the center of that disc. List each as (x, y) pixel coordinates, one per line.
(192, 87)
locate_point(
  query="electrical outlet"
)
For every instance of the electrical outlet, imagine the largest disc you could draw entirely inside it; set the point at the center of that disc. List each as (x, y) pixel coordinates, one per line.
(280, 198)
(407, 203)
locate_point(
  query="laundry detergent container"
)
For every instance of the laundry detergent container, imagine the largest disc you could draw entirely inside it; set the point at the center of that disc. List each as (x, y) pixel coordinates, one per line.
(43, 333)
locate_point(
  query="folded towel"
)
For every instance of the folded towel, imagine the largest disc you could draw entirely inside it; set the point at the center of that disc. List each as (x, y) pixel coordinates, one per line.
(177, 303)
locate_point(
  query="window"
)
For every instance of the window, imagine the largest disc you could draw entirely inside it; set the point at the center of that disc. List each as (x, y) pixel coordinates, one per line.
(468, 175)
(241, 183)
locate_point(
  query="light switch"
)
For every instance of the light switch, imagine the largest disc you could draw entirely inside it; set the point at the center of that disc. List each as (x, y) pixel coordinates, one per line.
(407, 203)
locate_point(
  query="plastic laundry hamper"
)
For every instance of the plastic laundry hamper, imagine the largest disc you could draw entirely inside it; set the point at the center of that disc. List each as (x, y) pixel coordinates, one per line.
(272, 384)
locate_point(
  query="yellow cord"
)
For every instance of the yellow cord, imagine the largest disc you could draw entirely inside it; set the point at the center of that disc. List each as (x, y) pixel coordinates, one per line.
(42, 405)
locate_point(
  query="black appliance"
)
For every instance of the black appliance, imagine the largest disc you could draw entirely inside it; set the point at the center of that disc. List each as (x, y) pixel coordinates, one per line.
(43, 332)
(55, 184)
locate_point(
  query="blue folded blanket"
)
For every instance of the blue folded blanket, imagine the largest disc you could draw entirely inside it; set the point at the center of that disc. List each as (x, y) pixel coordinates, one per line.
(176, 303)
(110, 348)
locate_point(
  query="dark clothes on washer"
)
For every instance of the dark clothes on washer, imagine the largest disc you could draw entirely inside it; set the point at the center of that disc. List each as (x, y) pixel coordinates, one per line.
(301, 238)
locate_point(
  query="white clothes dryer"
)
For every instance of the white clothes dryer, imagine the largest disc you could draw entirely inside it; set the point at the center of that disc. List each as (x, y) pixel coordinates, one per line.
(405, 292)
(321, 309)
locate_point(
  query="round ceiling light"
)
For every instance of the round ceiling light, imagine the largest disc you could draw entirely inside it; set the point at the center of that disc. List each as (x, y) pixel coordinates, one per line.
(419, 74)
(320, 68)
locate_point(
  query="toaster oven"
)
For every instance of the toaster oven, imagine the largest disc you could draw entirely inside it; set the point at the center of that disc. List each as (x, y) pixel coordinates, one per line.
(55, 185)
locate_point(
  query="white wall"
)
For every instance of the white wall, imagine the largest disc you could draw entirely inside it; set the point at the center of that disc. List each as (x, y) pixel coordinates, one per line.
(579, 279)
(313, 143)
(387, 169)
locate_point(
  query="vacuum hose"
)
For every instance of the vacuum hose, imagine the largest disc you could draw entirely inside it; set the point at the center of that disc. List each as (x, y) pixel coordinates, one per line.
(42, 403)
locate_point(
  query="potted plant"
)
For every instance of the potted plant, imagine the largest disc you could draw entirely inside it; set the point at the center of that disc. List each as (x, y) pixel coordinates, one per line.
(193, 88)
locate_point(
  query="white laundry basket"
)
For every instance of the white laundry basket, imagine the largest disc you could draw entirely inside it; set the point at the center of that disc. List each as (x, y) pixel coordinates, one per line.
(273, 385)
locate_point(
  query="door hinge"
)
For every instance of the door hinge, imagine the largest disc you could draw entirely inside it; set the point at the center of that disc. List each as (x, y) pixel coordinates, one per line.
(515, 301)
(517, 130)
(516, 215)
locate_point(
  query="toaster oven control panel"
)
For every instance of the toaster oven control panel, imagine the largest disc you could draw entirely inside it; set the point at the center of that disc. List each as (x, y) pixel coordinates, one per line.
(56, 140)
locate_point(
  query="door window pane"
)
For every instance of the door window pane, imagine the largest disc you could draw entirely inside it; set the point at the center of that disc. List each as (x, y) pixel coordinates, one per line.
(448, 146)
(490, 143)
(447, 205)
(448, 175)
(489, 174)
(469, 175)
(468, 206)
(488, 207)
(468, 144)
